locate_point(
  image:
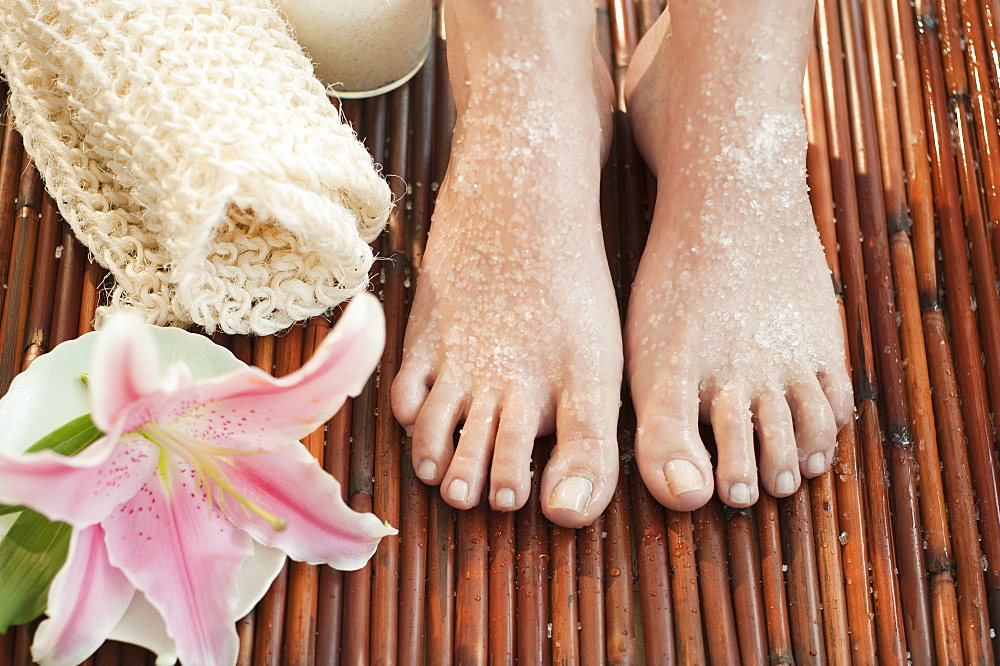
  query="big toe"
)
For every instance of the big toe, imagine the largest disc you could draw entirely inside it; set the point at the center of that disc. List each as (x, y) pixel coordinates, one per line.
(669, 451)
(582, 471)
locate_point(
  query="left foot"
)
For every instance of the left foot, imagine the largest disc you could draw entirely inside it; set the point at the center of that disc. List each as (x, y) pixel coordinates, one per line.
(514, 328)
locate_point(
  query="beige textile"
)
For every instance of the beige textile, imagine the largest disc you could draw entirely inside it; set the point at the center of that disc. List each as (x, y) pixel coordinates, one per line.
(192, 150)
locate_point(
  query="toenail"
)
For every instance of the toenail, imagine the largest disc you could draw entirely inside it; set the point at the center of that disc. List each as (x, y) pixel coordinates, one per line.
(572, 493)
(684, 477)
(784, 483)
(504, 498)
(739, 493)
(458, 491)
(816, 463)
(427, 470)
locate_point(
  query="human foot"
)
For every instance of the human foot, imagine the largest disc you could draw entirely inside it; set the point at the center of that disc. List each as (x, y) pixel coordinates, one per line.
(732, 318)
(514, 328)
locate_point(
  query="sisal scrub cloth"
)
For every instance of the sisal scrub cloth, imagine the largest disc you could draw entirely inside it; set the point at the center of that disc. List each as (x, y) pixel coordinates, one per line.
(192, 150)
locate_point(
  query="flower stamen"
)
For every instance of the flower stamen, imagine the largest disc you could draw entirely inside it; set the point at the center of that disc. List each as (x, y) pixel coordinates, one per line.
(204, 459)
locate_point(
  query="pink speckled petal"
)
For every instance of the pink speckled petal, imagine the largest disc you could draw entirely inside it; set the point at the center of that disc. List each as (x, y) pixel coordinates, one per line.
(250, 409)
(320, 528)
(87, 599)
(82, 489)
(185, 557)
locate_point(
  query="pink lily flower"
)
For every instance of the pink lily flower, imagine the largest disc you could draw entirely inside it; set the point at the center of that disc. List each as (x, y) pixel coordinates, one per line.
(189, 474)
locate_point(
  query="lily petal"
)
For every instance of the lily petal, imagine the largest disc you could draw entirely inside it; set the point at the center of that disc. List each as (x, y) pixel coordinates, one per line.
(87, 599)
(122, 372)
(319, 527)
(80, 490)
(250, 408)
(184, 555)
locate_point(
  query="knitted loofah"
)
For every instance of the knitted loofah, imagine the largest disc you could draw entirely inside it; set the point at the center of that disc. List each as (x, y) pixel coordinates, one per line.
(192, 150)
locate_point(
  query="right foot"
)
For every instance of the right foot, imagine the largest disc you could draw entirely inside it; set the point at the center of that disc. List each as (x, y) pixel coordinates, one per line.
(732, 318)
(514, 328)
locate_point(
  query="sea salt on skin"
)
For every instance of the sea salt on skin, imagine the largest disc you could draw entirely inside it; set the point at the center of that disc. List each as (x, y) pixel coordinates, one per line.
(514, 328)
(732, 318)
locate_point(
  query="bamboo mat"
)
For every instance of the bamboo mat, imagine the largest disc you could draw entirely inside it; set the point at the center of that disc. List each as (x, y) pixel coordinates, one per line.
(893, 555)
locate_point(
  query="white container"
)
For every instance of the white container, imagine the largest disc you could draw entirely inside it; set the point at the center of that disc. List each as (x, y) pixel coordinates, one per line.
(362, 48)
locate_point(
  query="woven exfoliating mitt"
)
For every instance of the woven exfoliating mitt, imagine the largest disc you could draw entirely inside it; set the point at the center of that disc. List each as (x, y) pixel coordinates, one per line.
(192, 150)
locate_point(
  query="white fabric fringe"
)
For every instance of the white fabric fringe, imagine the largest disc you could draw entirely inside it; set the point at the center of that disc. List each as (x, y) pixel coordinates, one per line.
(192, 150)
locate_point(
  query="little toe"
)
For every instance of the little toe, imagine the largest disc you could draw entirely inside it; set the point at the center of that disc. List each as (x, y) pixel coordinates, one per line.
(815, 427)
(510, 474)
(669, 452)
(582, 471)
(434, 431)
(837, 388)
(463, 483)
(779, 464)
(736, 472)
(409, 390)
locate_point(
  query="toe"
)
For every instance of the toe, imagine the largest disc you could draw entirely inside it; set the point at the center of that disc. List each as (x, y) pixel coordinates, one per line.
(463, 483)
(510, 474)
(779, 464)
(732, 423)
(815, 427)
(837, 388)
(410, 390)
(582, 471)
(434, 431)
(669, 452)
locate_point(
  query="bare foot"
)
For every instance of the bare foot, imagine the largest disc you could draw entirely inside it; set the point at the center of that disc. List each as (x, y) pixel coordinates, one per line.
(514, 328)
(732, 318)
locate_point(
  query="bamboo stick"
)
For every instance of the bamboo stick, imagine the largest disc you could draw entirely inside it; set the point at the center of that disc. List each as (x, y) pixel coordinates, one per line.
(684, 588)
(440, 582)
(502, 589)
(533, 573)
(43, 283)
(22, 266)
(618, 598)
(745, 581)
(650, 540)
(590, 586)
(772, 566)
(356, 640)
(90, 296)
(563, 605)
(303, 579)
(472, 597)
(10, 177)
(331, 582)
(808, 635)
(836, 629)
(69, 289)
(713, 578)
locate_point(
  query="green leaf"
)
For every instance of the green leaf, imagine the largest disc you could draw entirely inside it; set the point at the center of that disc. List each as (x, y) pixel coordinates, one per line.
(35, 548)
(30, 556)
(68, 439)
